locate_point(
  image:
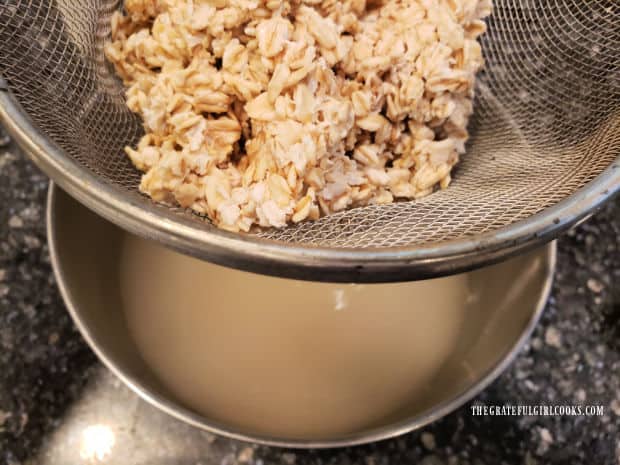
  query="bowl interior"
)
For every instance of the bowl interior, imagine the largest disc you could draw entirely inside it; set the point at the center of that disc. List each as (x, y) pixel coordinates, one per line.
(86, 250)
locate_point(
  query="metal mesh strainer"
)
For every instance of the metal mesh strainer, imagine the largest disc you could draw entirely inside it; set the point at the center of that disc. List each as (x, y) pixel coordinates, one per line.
(543, 153)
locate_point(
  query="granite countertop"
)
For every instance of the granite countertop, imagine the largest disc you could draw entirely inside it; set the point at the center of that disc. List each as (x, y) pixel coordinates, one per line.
(55, 396)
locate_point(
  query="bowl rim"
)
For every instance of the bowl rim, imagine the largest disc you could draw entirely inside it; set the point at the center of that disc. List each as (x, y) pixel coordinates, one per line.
(251, 253)
(184, 414)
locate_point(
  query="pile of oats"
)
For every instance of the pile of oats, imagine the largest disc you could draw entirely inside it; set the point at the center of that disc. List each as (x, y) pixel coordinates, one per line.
(264, 112)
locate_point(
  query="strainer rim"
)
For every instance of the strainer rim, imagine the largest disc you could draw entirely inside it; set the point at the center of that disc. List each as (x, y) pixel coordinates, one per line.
(314, 262)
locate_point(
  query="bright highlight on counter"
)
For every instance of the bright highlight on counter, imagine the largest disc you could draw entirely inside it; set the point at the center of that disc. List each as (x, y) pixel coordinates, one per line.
(97, 442)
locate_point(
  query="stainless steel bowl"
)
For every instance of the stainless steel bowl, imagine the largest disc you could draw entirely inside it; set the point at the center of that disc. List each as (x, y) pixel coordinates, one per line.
(85, 251)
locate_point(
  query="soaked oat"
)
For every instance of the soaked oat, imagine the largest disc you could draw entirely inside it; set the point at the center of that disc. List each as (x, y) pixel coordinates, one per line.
(274, 112)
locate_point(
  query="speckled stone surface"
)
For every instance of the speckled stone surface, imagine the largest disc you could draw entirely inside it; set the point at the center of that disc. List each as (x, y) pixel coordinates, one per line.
(52, 389)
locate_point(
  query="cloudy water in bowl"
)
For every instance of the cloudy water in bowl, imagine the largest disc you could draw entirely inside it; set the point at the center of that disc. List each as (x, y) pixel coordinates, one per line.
(282, 357)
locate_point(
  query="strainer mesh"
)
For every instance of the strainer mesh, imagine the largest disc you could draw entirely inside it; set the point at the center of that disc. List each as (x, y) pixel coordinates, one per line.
(547, 115)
